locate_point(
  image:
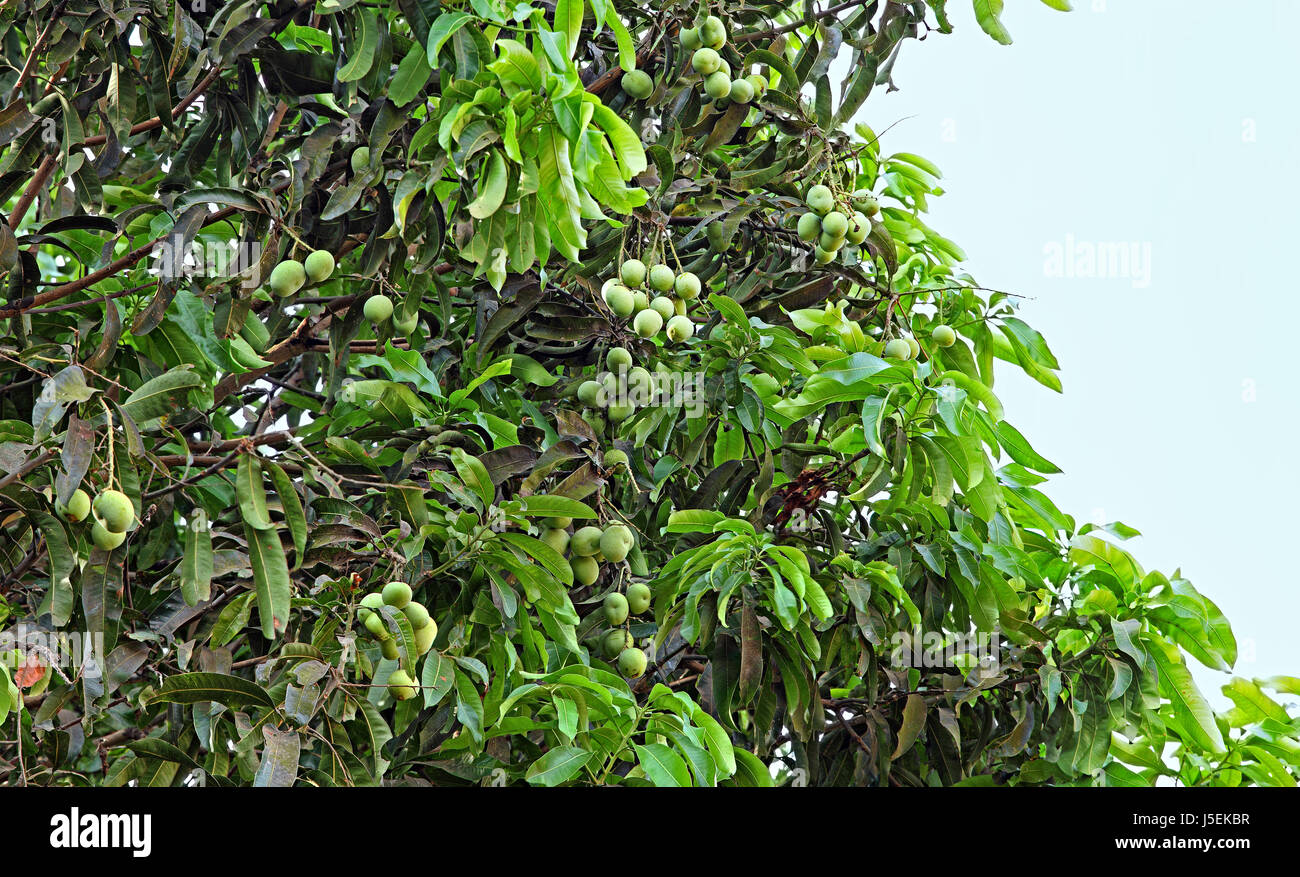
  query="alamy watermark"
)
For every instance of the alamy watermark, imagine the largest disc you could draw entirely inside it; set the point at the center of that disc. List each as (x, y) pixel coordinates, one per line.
(27, 646)
(173, 260)
(936, 650)
(663, 389)
(1100, 260)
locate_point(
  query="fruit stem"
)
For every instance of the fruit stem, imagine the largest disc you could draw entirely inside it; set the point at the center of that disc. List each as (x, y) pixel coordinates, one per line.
(112, 464)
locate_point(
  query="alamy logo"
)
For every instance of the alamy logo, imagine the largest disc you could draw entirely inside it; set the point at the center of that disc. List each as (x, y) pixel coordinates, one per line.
(1099, 260)
(75, 830)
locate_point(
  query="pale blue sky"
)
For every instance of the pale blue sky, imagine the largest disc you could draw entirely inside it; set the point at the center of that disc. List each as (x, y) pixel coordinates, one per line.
(1171, 126)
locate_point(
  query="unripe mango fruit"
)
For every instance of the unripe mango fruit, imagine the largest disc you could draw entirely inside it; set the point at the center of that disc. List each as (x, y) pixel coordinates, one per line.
(360, 159)
(114, 510)
(378, 308)
(369, 603)
(631, 663)
(318, 265)
(661, 278)
(104, 539)
(810, 227)
(835, 224)
(407, 326)
(585, 569)
(557, 539)
(589, 393)
(680, 328)
(425, 636)
(943, 335)
(377, 625)
(638, 84)
(638, 598)
(713, 33)
(687, 285)
(898, 349)
(632, 273)
(859, 228)
(397, 594)
(417, 614)
(648, 323)
(705, 61)
(742, 92)
(620, 300)
(662, 305)
(287, 278)
(76, 508)
(829, 243)
(717, 85)
(820, 200)
(615, 608)
(586, 541)
(615, 642)
(401, 685)
(618, 359)
(616, 542)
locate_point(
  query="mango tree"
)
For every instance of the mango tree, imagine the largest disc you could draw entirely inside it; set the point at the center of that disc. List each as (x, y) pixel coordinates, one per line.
(538, 392)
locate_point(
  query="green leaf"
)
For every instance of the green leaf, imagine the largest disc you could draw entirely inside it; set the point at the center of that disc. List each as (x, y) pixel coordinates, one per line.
(161, 395)
(292, 508)
(411, 76)
(232, 691)
(252, 495)
(988, 14)
(1253, 703)
(914, 713)
(517, 65)
(568, 21)
(1018, 448)
(271, 579)
(196, 563)
(545, 506)
(362, 50)
(443, 27)
(1177, 685)
(492, 187)
(474, 475)
(557, 766)
(437, 677)
(662, 765)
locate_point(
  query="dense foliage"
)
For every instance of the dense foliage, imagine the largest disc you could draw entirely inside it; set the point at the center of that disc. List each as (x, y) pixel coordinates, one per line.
(761, 522)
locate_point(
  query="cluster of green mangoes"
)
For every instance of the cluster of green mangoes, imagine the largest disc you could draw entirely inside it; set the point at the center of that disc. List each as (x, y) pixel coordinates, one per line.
(620, 391)
(113, 511)
(291, 275)
(379, 309)
(907, 347)
(628, 295)
(588, 547)
(397, 595)
(618, 644)
(829, 226)
(706, 42)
